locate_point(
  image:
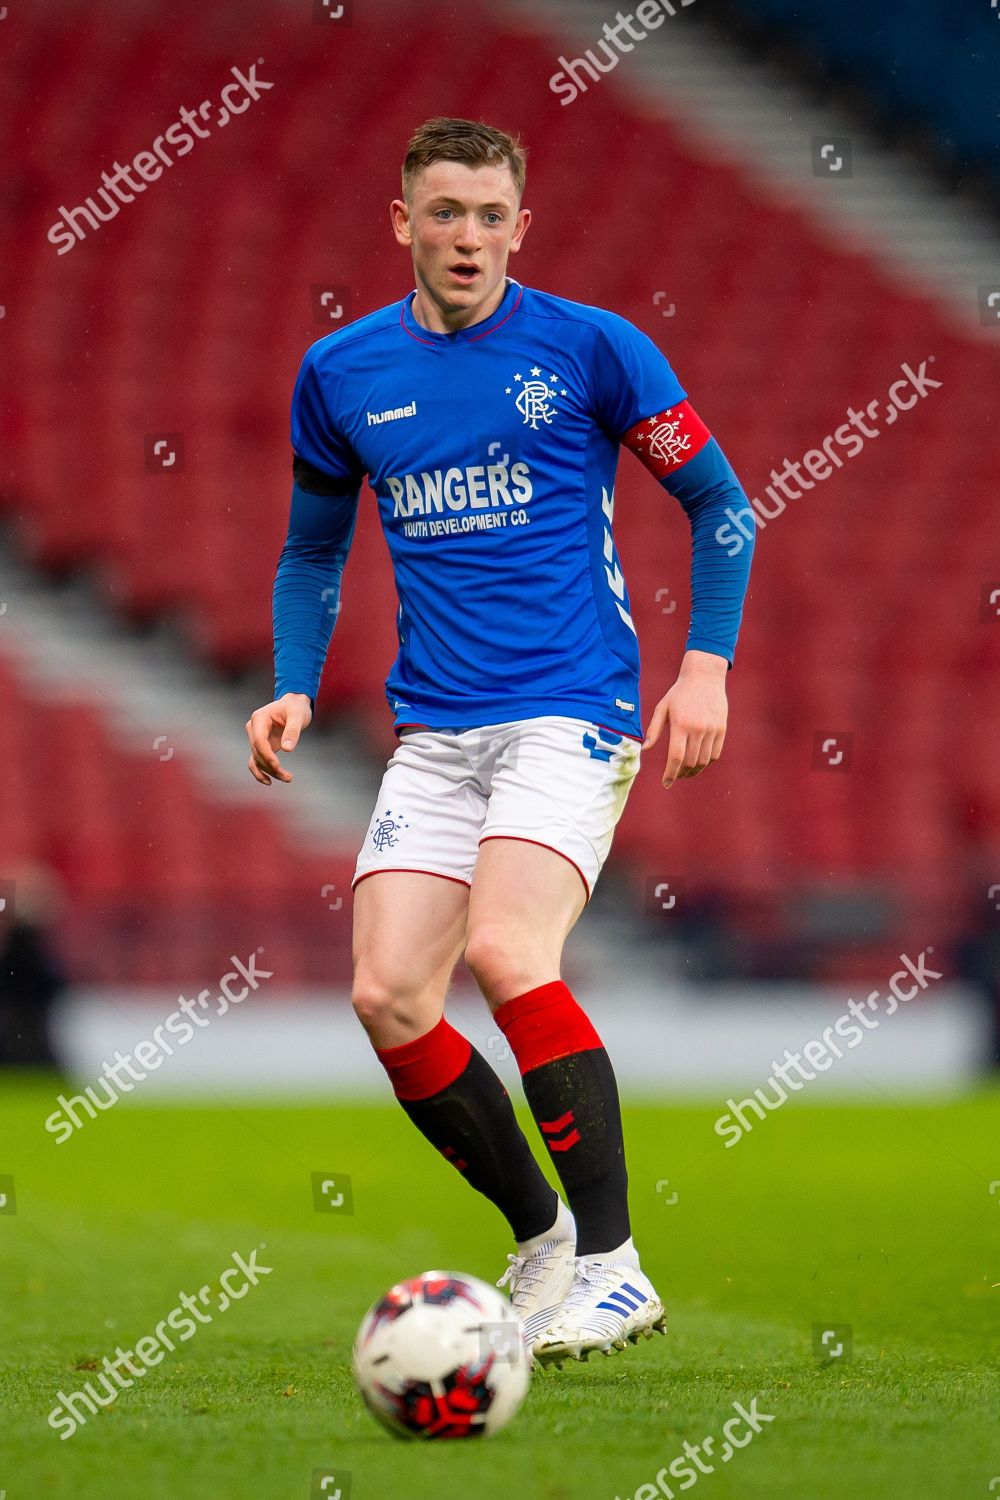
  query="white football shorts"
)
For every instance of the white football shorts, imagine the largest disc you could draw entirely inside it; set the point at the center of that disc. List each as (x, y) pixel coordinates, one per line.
(555, 781)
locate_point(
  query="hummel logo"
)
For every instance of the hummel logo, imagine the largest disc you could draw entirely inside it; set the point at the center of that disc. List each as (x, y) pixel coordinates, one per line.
(551, 1128)
(375, 418)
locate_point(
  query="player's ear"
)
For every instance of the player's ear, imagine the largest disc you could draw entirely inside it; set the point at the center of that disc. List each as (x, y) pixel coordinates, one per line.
(523, 220)
(399, 215)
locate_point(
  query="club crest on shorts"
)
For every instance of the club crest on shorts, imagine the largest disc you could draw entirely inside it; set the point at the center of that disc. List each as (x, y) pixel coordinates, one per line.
(602, 743)
(386, 830)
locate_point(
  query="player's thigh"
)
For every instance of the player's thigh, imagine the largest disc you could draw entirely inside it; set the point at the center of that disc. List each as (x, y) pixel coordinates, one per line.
(409, 932)
(525, 899)
(558, 788)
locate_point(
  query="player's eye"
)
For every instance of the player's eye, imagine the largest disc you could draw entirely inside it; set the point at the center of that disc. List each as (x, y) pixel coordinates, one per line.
(498, 218)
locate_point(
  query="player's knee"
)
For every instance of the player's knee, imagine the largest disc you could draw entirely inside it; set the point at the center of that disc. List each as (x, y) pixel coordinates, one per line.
(377, 1004)
(497, 962)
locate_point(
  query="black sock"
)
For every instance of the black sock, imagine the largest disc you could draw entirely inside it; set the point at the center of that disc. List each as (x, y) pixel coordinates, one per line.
(472, 1123)
(575, 1103)
(570, 1085)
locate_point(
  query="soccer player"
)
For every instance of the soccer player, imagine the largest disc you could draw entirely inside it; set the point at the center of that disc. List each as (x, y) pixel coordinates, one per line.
(488, 418)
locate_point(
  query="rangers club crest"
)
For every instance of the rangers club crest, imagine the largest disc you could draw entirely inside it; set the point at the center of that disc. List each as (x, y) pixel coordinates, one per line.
(535, 397)
(386, 829)
(667, 442)
(668, 439)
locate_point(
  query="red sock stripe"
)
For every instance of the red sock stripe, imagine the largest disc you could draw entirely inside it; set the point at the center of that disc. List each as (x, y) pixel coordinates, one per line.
(427, 1065)
(544, 1025)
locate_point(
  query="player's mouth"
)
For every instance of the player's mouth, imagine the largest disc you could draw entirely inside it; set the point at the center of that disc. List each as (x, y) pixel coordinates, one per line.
(464, 272)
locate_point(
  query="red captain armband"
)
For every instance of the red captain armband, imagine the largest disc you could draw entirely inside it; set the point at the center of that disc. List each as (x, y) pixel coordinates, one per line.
(667, 440)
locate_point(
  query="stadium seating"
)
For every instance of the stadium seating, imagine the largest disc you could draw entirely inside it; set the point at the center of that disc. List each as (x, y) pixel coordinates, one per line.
(928, 60)
(188, 314)
(158, 872)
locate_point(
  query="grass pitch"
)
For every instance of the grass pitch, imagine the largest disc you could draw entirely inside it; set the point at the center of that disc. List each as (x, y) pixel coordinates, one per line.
(879, 1220)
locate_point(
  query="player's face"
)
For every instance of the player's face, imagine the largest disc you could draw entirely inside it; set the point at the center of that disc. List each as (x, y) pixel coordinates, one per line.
(461, 225)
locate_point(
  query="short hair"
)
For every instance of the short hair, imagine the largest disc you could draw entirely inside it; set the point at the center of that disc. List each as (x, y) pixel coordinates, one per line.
(468, 141)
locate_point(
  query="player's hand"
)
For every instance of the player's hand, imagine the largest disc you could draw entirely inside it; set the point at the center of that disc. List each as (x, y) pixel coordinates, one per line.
(695, 710)
(276, 726)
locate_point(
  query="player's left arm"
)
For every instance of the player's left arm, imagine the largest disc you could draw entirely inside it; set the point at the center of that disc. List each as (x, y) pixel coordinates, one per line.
(639, 401)
(693, 468)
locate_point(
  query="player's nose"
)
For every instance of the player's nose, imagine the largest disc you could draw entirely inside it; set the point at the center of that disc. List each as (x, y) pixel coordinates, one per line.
(468, 234)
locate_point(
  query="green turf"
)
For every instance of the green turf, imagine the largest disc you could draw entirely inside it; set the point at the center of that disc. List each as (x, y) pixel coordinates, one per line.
(877, 1217)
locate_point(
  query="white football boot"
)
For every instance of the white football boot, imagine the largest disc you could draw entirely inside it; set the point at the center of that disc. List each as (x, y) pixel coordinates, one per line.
(610, 1305)
(541, 1274)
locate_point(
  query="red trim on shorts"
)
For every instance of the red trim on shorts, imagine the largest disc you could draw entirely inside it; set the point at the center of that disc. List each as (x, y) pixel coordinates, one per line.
(611, 727)
(540, 845)
(545, 1024)
(427, 1065)
(636, 737)
(400, 870)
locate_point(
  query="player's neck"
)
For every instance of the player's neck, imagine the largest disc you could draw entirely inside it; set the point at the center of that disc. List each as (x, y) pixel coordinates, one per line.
(432, 317)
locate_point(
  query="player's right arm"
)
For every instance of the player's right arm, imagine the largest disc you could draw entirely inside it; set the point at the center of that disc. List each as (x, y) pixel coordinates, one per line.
(306, 601)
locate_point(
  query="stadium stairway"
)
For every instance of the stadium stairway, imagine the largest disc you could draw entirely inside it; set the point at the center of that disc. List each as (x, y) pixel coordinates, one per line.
(126, 778)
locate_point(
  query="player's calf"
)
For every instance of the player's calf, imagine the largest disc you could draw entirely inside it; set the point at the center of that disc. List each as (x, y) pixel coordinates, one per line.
(570, 1087)
(456, 1100)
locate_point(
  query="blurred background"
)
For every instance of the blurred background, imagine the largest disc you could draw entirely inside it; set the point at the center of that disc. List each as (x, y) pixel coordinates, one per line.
(797, 200)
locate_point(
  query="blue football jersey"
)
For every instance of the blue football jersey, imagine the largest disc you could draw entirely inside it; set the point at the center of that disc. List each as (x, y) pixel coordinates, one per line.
(492, 453)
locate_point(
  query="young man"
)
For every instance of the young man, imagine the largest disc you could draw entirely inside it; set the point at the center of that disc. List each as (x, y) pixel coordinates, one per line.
(488, 419)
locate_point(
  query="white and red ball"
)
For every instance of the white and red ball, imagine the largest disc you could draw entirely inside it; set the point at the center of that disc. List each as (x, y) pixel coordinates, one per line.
(442, 1356)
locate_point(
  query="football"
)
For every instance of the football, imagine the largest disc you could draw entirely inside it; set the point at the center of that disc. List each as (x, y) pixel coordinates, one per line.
(442, 1356)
